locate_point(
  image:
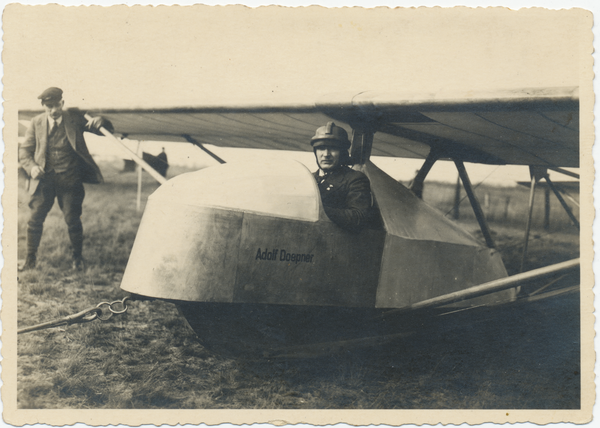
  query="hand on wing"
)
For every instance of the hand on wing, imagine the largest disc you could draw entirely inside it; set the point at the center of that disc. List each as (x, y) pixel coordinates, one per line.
(98, 122)
(37, 172)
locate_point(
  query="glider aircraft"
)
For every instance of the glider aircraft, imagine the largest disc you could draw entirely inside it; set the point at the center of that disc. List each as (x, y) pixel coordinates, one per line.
(249, 257)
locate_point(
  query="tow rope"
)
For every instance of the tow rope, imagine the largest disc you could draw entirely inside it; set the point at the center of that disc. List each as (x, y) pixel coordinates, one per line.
(102, 311)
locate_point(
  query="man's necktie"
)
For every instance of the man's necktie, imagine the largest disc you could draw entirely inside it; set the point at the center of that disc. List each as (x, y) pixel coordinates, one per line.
(53, 129)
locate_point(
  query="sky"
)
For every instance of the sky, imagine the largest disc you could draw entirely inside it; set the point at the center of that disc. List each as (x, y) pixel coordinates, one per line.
(156, 57)
(175, 57)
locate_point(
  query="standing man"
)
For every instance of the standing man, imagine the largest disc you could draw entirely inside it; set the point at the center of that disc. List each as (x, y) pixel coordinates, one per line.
(346, 193)
(163, 163)
(58, 162)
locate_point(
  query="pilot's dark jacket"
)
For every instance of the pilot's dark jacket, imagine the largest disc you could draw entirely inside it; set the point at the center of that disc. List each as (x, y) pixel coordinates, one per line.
(346, 196)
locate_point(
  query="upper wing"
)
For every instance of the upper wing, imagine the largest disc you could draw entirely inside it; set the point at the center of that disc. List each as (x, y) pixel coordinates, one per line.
(525, 127)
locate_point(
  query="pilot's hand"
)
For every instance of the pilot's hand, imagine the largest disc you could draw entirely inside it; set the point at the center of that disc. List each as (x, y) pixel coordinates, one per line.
(37, 172)
(97, 122)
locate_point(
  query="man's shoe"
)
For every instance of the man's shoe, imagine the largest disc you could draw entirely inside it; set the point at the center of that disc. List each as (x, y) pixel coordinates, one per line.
(78, 264)
(30, 262)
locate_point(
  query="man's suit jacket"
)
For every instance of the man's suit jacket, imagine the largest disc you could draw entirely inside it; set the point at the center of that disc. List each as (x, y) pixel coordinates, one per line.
(33, 150)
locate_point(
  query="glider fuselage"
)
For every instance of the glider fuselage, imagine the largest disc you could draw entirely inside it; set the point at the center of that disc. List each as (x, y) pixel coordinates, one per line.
(259, 235)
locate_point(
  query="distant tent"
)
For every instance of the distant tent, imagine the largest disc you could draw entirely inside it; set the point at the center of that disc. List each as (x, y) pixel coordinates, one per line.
(159, 163)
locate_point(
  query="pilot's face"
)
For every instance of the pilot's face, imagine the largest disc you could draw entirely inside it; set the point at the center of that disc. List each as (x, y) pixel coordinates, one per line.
(328, 158)
(54, 108)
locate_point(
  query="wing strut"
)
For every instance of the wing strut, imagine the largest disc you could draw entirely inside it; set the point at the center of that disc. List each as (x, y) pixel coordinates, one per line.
(141, 162)
(201, 146)
(537, 173)
(564, 171)
(487, 234)
(362, 143)
(562, 202)
(138, 199)
(416, 186)
(493, 286)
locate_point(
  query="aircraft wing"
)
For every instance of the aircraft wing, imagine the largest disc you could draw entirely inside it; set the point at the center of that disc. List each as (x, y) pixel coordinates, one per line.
(522, 127)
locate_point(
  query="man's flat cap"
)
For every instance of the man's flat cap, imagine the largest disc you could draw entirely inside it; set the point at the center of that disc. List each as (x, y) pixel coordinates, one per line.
(51, 94)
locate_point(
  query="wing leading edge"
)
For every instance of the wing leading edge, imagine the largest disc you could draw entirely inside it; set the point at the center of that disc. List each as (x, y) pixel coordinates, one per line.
(522, 127)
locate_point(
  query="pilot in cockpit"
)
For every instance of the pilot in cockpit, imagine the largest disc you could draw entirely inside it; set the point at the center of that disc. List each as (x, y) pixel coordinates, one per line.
(346, 193)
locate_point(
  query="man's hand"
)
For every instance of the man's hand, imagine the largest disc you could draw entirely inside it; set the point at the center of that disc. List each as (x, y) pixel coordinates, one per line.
(37, 172)
(97, 122)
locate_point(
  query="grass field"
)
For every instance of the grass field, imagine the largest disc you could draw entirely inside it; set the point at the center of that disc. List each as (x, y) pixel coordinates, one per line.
(148, 358)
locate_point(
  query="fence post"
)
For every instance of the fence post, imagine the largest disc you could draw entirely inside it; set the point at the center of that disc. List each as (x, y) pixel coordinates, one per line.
(547, 208)
(455, 210)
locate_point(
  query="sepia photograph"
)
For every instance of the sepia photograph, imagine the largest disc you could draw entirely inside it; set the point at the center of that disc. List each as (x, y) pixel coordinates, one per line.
(283, 215)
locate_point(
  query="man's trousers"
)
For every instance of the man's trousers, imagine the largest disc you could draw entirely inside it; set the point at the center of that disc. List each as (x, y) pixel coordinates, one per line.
(68, 189)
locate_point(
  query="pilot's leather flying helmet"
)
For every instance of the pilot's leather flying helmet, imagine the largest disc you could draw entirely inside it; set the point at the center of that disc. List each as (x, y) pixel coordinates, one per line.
(331, 135)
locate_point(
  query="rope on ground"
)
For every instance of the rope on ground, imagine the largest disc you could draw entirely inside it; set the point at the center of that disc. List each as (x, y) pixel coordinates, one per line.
(102, 311)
